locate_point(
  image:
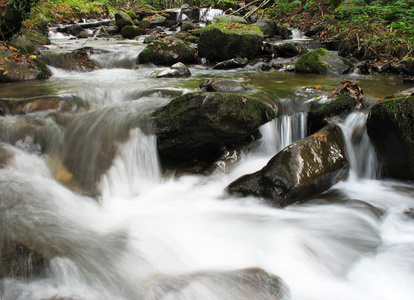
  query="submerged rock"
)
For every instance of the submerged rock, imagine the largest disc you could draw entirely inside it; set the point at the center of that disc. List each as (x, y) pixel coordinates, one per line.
(17, 65)
(223, 41)
(164, 53)
(77, 60)
(300, 171)
(252, 283)
(321, 61)
(233, 63)
(196, 126)
(222, 85)
(176, 70)
(390, 126)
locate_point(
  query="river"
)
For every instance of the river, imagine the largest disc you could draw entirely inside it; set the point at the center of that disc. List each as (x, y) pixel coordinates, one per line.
(147, 229)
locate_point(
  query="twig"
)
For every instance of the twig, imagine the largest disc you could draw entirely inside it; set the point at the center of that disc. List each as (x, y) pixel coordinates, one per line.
(247, 5)
(256, 9)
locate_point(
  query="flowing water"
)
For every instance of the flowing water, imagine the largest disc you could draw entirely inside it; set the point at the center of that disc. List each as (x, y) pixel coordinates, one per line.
(149, 236)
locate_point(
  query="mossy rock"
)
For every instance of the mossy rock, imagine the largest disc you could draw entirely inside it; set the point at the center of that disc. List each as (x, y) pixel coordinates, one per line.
(130, 32)
(225, 5)
(196, 126)
(163, 53)
(319, 113)
(287, 50)
(300, 171)
(17, 65)
(322, 61)
(187, 26)
(223, 41)
(76, 60)
(132, 14)
(390, 126)
(228, 19)
(123, 19)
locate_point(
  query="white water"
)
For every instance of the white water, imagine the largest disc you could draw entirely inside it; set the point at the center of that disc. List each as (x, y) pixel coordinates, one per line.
(148, 232)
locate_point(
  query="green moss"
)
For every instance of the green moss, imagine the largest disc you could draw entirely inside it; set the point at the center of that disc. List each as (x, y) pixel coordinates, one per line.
(161, 53)
(311, 62)
(340, 104)
(44, 70)
(400, 112)
(129, 32)
(131, 14)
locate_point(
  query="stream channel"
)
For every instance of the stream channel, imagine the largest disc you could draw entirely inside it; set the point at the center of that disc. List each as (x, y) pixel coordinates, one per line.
(151, 236)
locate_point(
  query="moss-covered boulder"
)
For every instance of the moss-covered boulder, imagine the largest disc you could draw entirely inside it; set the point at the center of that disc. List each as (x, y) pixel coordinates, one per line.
(224, 41)
(167, 53)
(322, 61)
(123, 19)
(153, 21)
(300, 171)
(17, 65)
(390, 126)
(28, 39)
(287, 50)
(197, 126)
(129, 32)
(76, 60)
(346, 97)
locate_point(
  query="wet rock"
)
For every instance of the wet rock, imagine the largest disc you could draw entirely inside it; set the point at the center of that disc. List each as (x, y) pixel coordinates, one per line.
(390, 126)
(315, 31)
(271, 29)
(192, 13)
(228, 19)
(129, 32)
(300, 171)
(321, 61)
(153, 21)
(408, 66)
(252, 283)
(6, 155)
(224, 41)
(167, 53)
(222, 85)
(346, 97)
(14, 107)
(111, 30)
(408, 80)
(16, 65)
(233, 63)
(196, 126)
(176, 70)
(287, 50)
(74, 29)
(187, 26)
(123, 19)
(77, 60)
(18, 261)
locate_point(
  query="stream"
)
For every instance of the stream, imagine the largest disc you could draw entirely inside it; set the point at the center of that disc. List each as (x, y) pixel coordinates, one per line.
(148, 231)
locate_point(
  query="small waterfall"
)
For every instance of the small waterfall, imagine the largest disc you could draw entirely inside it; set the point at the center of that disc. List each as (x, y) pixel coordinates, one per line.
(298, 35)
(283, 131)
(207, 14)
(135, 168)
(361, 154)
(122, 58)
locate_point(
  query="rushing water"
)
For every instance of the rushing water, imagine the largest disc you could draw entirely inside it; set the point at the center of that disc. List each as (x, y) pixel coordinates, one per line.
(155, 237)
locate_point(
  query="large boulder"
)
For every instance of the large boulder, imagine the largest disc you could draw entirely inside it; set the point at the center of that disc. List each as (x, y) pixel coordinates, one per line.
(271, 29)
(302, 170)
(17, 65)
(390, 126)
(129, 32)
(198, 126)
(322, 61)
(167, 53)
(228, 19)
(223, 41)
(14, 107)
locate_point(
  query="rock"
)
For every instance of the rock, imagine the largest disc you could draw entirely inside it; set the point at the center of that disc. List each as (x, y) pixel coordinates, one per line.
(177, 70)
(224, 41)
(300, 171)
(315, 31)
(77, 60)
(228, 19)
(123, 19)
(321, 61)
(346, 97)
(390, 126)
(233, 63)
(187, 26)
(16, 65)
(287, 50)
(14, 107)
(18, 261)
(251, 283)
(129, 32)
(111, 30)
(6, 156)
(271, 29)
(163, 53)
(196, 126)
(222, 85)
(74, 29)
(154, 21)
(408, 66)
(28, 39)
(192, 13)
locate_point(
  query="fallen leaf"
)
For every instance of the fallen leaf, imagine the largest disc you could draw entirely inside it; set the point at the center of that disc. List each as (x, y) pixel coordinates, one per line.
(320, 137)
(5, 72)
(12, 48)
